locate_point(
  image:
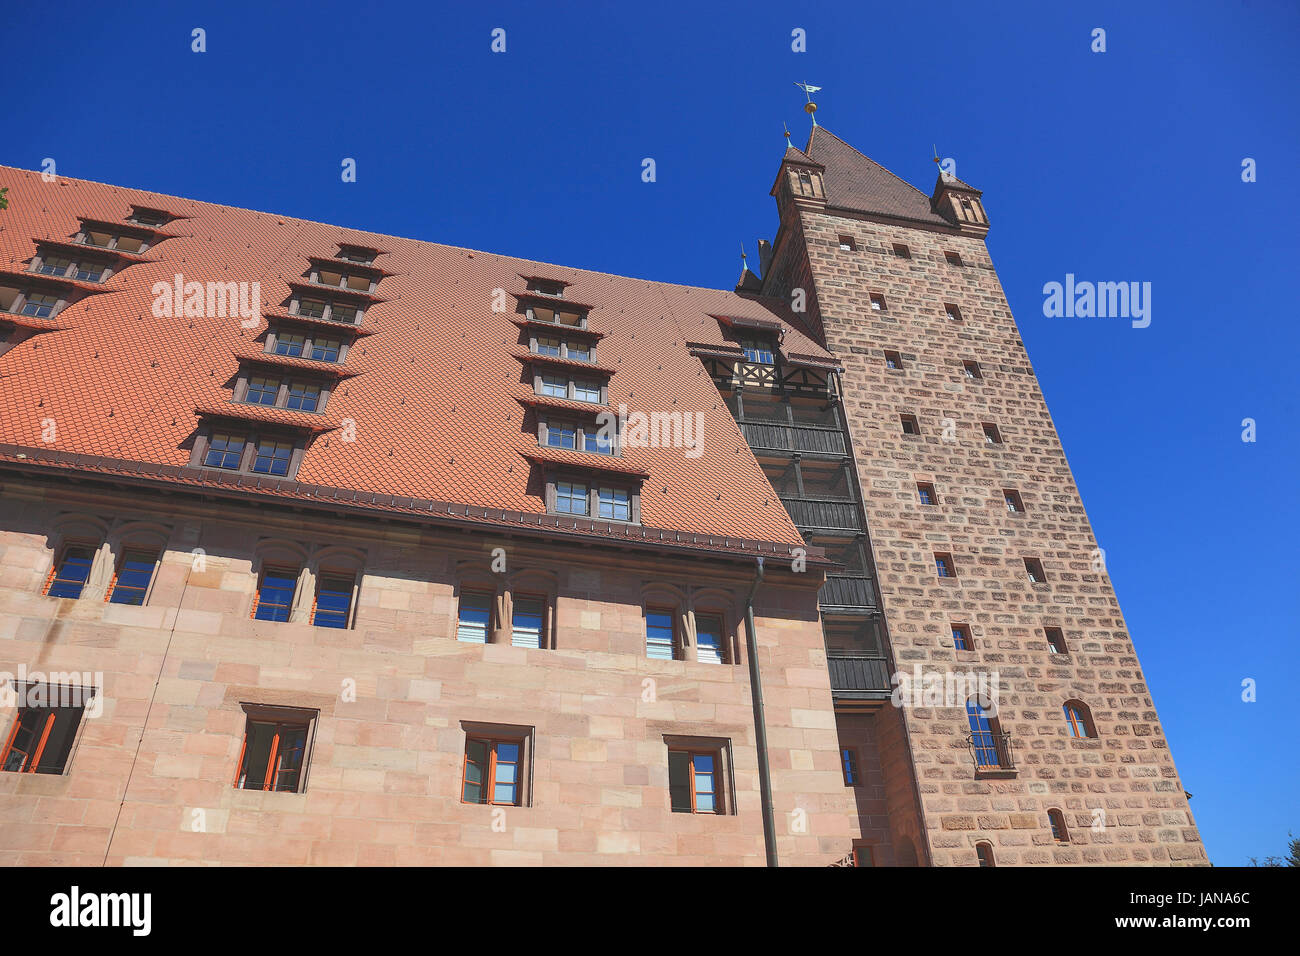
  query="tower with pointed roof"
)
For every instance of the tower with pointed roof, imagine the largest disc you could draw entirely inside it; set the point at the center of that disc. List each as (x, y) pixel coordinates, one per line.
(966, 551)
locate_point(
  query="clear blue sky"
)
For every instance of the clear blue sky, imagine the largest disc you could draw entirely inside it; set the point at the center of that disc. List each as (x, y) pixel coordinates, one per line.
(1115, 166)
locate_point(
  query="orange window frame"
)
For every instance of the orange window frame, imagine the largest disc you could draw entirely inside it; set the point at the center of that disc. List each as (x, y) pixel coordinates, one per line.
(718, 803)
(489, 785)
(30, 760)
(1080, 725)
(274, 756)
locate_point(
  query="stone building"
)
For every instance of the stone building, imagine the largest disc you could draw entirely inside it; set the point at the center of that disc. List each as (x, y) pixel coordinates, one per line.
(326, 547)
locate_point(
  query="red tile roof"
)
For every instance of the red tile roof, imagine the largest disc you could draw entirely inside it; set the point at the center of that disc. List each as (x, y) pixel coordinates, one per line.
(437, 413)
(855, 182)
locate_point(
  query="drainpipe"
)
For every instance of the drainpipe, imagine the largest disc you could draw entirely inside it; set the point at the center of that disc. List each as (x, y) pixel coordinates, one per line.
(760, 725)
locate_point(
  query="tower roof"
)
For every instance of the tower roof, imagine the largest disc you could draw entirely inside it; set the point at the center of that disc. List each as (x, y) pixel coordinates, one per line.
(855, 182)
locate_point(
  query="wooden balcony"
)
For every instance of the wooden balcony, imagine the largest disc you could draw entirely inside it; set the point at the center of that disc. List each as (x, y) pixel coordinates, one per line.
(848, 591)
(805, 439)
(824, 514)
(859, 678)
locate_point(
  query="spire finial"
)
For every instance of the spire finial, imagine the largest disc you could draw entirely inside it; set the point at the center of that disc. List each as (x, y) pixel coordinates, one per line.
(937, 160)
(788, 144)
(744, 262)
(809, 107)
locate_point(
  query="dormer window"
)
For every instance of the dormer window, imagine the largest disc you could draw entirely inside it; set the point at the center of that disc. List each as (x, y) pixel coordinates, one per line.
(357, 254)
(546, 287)
(103, 237)
(571, 389)
(759, 353)
(54, 266)
(557, 316)
(352, 281)
(556, 347)
(273, 391)
(61, 267)
(258, 452)
(306, 345)
(144, 216)
(590, 436)
(601, 499)
(341, 312)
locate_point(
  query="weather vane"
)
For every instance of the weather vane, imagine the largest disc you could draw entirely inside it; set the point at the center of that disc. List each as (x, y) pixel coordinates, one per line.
(810, 107)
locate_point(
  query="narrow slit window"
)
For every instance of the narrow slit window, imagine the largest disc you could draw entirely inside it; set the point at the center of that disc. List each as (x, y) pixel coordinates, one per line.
(901, 251)
(709, 647)
(1057, 821)
(925, 492)
(952, 312)
(985, 854)
(1012, 500)
(1055, 640)
(953, 259)
(943, 566)
(849, 763)
(961, 640)
(991, 434)
(972, 370)
(1034, 570)
(910, 425)
(878, 302)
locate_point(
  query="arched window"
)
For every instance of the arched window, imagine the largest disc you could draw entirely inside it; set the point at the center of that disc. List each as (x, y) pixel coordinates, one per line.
(985, 853)
(1059, 833)
(986, 739)
(1079, 718)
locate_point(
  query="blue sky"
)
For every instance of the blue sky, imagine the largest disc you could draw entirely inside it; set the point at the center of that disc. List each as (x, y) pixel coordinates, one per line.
(1123, 165)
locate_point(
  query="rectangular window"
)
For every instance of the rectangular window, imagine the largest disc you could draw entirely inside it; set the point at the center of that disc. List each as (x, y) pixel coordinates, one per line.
(597, 442)
(133, 577)
(952, 258)
(878, 302)
(847, 244)
(71, 571)
(303, 397)
(90, 272)
(547, 345)
(961, 638)
(660, 634)
(693, 779)
(290, 345)
(262, 390)
(474, 617)
(615, 503)
(42, 736)
(570, 498)
(893, 360)
(273, 458)
(275, 594)
(952, 312)
(312, 308)
(943, 565)
(274, 755)
(760, 353)
(1012, 499)
(101, 239)
(325, 350)
(556, 386)
(849, 761)
(972, 370)
(55, 266)
(579, 352)
(910, 425)
(709, 647)
(346, 314)
(333, 600)
(40, 306)
(527, 618)
(1055, 640)
(492, 771)
(561, 436)
(586, 391)
(991, 434)
(224, 451)
(925, 492)
(1034, 569)
(902, 251)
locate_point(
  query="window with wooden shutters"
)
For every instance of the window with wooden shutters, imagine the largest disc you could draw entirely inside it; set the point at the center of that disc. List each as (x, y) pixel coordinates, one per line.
(277, 741)
(710, 646)
(474, 617)
(528, 621)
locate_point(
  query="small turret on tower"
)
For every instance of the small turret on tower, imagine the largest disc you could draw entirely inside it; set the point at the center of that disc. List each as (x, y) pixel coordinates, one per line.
(960, 204)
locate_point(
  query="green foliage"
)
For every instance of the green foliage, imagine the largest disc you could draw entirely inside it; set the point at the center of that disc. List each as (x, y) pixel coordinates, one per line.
(1291, 859)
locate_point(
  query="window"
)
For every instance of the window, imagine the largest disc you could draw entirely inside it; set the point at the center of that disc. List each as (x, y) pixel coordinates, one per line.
(491, 773)
(70, 572)
(149, 217)
(1055, 640)
(262, 390)
(961, 638)
(693, 781)
(1034, 568)
(546, 287)
(1056, 820)
(326, 350)
(333, 599)
(555, 316)
(847, 244)
(991, 434)
(584, 391)
(357, 254)
(556, 386)
(597, 442)
(985, 736)
(902, 251)
(561, 436)
(224, 451)
(312, 308)
(275, 591)
(303, 397)
(290, 345)
(527, 618)
(1079, 718)
(55, 266)
(40, 306)
(660, 634)
(41, 738)
(615, 504)
(571, 498)
(943, 565)
(910, 425)
(274, 756)
(93, 237)
(972, 370)
(925, 491)
(953, 259)
(877, 302)
(131, 583)
(709, 646)
(579, 352)
(346, 314)
(893, 360)
(272, 458)
(474, 617)
(760, 353)
(1012, 500)
(547, 345)
(863, 856)
(849, 763)
(90, 272)
(984, 852)
(952, 312)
